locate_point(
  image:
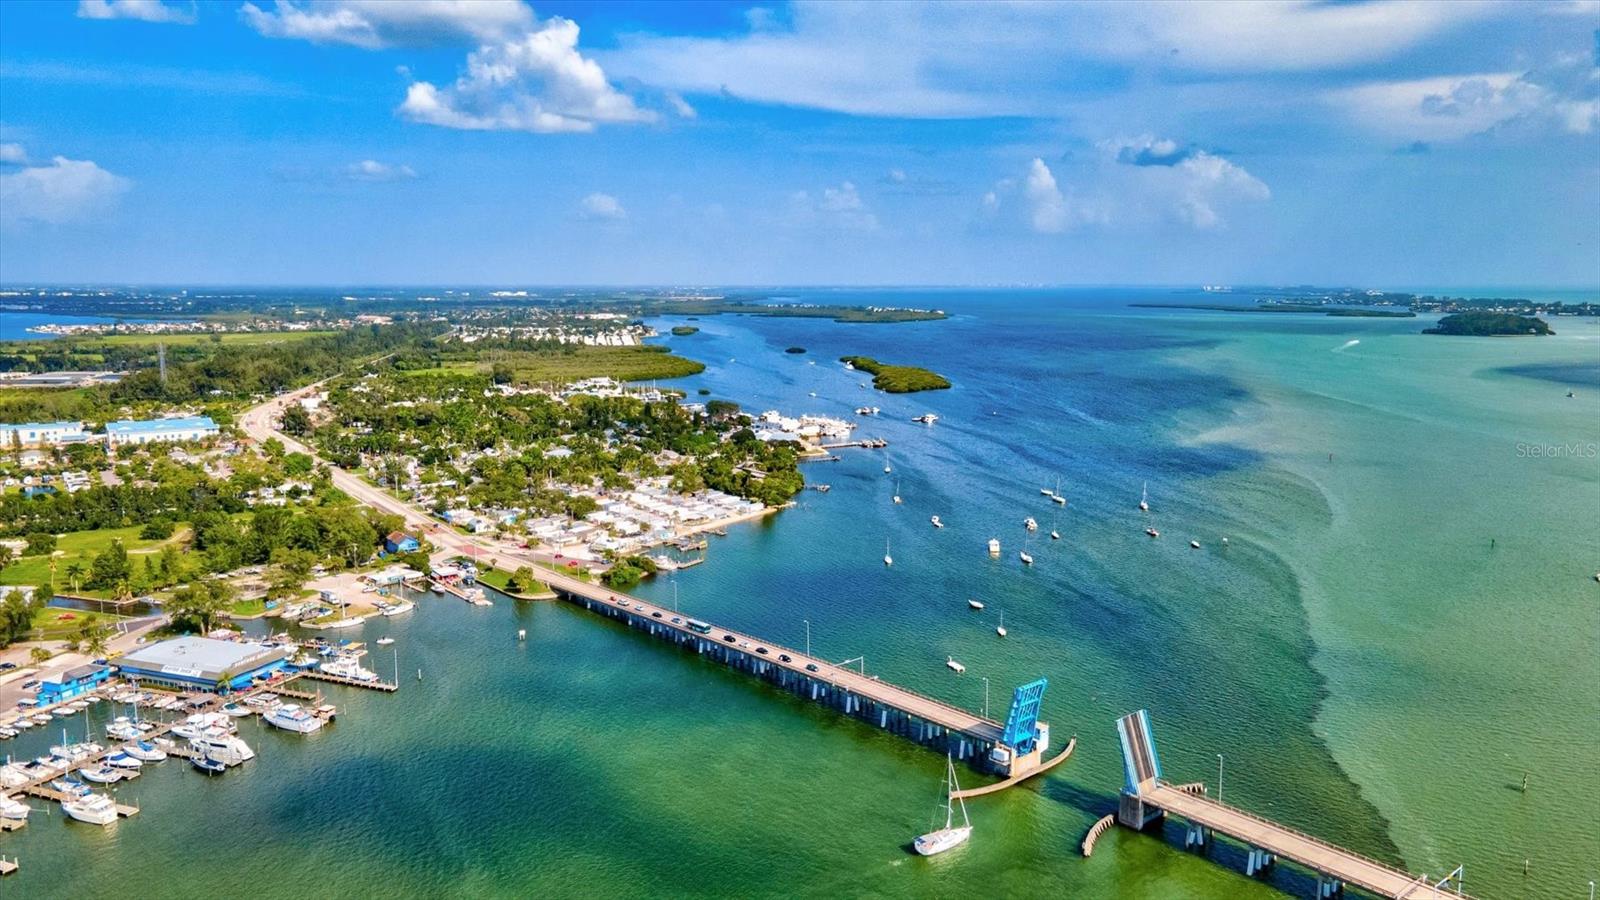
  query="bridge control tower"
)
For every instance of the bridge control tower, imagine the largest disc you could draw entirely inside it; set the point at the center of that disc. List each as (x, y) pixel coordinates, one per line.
(1024, 739)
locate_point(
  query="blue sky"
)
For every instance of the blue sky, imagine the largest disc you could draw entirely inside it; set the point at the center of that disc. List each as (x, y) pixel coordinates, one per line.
(357, 142)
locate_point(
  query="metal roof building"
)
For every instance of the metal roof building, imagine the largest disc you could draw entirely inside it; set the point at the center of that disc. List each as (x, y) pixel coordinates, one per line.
(203, 662)
(148, 431)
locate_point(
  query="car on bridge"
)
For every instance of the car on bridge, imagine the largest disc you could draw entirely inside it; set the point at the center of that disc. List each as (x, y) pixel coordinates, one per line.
(784, 657)
(811, 667)
(730, 639)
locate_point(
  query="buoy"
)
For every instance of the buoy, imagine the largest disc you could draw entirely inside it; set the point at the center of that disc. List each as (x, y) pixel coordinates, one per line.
(522, 634)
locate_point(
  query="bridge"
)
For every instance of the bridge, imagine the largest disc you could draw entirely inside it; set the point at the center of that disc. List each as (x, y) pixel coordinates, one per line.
(1147, 798)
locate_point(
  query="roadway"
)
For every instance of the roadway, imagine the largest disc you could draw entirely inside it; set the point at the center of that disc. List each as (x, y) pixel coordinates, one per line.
(1295, 846)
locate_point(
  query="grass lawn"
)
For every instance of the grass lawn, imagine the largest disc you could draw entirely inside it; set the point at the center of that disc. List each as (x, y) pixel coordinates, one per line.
(497, 578)
(622, 363)
(51, 623)
(81, 547)
(572, 571)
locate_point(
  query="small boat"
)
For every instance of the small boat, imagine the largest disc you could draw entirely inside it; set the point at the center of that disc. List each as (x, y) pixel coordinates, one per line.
(385, 641)
(236, 710)
(100, 774)
(1152, 532)
(1055, 535)
(70, 786)
(897, 490)
(122, 759)
(813, 393)
(1026, 558)
(1001, 628)
(994, 546)
(291, 717)
(936, 522)
(13, 810)
(887, 559)
(145, 751)
(438, 587)
(1030, 524)
(955, 667)
(1057, 498)
(401, 608)
(887, 470)
(1195, 544)
(225, 748)
(975, 604)
(96, 809)
(347, 667)
(1046, 492)
(208, 765)
(951, 835)
(122, 728)
(926, 418)
(1144, 498)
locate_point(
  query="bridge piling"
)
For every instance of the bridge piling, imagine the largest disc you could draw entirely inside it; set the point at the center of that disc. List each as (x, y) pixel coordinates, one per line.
(1258, 861)
(1196, 836)
(1328, 886)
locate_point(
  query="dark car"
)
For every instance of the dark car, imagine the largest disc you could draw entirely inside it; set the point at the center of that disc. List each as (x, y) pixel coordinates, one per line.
(676, 620)
(729, 638)
(785, 657)
(7, 666)
(761, 650)
(656, 615)
(811, 667)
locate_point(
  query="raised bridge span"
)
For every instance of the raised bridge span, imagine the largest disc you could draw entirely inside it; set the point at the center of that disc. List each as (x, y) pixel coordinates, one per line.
(1147, 798)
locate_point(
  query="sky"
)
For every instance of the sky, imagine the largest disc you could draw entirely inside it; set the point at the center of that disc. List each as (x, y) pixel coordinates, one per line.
(493, 142)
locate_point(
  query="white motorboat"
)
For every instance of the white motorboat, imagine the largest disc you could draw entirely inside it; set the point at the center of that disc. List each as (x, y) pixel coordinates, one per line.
(223, 747)
(994, 546)
(385, 641)
(936, 522)
(975, 604)
(926, 418)
(951, 835)
(291, 717)
(1030, 524)
(14, 810)
(348, 667)
(145, 751)
(13, 775)
(1027, 559)
(96, 809)
(1152, 532)
(956, 667)
(1195, 545)
(237, 710)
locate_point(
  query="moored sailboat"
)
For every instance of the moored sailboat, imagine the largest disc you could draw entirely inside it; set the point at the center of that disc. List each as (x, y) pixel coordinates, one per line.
(951, 835)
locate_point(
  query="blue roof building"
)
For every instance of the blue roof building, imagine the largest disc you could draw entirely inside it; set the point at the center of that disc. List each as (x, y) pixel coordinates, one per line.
(151, 431)
(71, 683)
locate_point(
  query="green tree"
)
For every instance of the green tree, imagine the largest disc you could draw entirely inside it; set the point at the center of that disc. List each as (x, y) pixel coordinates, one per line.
(296, 420)
(40, 543)
(39, 656)
(92, 637)
(195, 607)
(109, 566)
(16, 617)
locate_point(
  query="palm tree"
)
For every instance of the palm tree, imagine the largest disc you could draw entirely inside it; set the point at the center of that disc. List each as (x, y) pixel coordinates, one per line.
(74, 575)
(94, 639)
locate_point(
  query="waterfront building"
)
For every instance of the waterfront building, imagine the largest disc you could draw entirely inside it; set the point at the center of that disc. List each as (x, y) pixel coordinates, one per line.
(400, 542)
(71, 683)
(197, 662)
(42, 434)
(152, 431)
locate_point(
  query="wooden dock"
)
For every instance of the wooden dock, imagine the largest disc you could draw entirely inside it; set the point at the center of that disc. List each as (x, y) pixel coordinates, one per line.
(317, 675)
(48, 793)
(8, 866)
(13, 824)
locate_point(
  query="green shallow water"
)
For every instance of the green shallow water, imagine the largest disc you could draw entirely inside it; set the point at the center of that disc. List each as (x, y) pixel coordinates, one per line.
(1369, 668)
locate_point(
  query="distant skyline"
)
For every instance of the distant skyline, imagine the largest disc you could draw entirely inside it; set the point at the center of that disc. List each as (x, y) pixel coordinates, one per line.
(369, 142)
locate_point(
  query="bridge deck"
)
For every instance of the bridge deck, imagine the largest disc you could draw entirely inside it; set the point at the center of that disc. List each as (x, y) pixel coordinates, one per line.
(926, 708)
(1285, 842)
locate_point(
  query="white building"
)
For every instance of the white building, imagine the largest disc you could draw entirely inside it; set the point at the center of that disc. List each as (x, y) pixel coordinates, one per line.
(152, 431)
(42, 434)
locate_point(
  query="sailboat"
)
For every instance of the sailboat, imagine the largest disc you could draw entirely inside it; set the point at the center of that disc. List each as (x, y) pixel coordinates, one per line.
(1026, 557)
(897, 490)
(1144, 498)
(887, 559)
(1054, 534)
(1056, 496)
(1001, 628)
(950, 835)
(936, 522)
(975, 604)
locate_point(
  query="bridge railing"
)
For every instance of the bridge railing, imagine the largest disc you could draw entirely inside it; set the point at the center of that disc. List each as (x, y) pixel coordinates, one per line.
(1389, 867)
(601, 590)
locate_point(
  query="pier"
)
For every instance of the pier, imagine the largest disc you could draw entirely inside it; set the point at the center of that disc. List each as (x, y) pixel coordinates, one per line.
(1013, 748)
(319, 675)
(1147, 799)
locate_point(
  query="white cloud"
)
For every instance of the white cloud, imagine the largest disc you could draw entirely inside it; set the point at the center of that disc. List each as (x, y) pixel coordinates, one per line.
(372, 170)
(142, 10)
(986, 59)
(535, 81)
(836, 209)
(1047, 208)
(1564, 96)
(602, 206)
(387, 23)
(680, 105)
(13, 153)
(65, 190)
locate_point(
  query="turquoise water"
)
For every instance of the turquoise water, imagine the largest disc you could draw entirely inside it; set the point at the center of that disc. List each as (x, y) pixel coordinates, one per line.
(1369, 668)
(14, 324)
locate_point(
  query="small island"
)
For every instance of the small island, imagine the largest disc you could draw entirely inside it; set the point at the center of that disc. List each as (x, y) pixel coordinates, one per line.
(897, 379)
(1356, 312)
(684, 330)
(795, 350)
(1490, 324)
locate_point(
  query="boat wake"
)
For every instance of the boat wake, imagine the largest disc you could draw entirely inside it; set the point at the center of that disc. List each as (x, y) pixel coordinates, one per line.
(1346, 345)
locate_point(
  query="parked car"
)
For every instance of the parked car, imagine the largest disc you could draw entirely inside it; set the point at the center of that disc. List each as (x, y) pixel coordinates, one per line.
(7, 666)
(811, 667)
